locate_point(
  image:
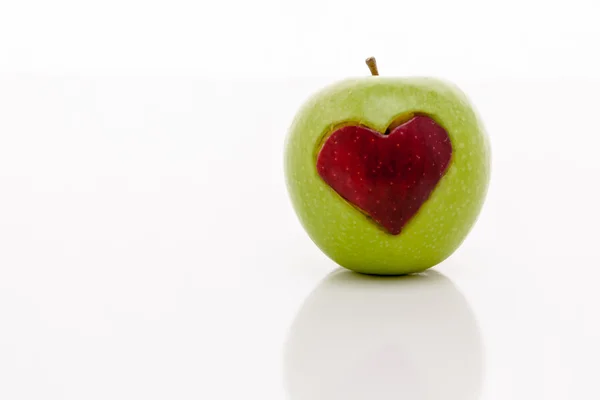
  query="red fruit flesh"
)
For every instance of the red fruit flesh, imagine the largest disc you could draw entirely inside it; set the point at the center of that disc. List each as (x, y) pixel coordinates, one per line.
(388, 177)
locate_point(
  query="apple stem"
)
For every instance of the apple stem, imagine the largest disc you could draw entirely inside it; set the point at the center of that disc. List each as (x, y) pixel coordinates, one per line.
(372, 64)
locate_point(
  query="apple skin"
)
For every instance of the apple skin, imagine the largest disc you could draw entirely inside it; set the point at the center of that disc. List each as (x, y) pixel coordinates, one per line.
(345, 234)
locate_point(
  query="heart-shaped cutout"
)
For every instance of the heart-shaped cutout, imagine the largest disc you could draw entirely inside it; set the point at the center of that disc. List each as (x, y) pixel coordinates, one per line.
(386, 176)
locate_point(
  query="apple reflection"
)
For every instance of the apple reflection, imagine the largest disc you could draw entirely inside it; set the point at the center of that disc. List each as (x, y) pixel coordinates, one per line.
(362, 337)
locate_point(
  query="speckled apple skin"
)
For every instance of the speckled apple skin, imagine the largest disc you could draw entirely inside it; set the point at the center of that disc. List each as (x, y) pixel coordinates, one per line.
(344, 233)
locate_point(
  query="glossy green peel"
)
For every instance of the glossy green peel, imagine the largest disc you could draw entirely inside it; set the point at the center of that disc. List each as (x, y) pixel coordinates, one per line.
(344, 233)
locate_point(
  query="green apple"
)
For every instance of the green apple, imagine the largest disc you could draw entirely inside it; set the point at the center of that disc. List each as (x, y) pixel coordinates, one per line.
(344, 227)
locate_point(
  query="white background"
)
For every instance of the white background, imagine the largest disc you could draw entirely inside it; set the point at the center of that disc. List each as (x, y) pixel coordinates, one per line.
(148, 249)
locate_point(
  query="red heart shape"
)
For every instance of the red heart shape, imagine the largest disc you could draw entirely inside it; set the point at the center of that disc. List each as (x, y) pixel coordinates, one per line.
(388, 177)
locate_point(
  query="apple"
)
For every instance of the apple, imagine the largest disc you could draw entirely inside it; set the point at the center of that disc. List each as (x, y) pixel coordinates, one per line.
(387, 175)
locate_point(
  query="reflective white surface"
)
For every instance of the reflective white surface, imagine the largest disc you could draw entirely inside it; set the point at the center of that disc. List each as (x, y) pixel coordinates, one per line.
(359, 337)
(148, 250)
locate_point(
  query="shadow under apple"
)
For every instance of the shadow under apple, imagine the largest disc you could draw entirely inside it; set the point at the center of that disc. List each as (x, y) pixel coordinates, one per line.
(365, 337)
